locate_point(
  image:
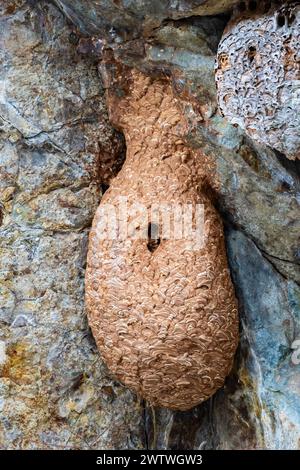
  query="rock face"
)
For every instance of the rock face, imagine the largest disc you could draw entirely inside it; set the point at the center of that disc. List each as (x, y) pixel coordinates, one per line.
(164, 316)
(55, 391)
(120, 20)
(268, 377)
(258, 76)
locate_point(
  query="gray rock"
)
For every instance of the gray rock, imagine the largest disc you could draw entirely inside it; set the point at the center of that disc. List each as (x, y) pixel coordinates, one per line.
(54, 140)
(121, 20)
(260, 404)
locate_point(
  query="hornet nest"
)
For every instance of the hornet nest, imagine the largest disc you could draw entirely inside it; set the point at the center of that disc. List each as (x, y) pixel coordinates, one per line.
(258, 74)
(164, 316)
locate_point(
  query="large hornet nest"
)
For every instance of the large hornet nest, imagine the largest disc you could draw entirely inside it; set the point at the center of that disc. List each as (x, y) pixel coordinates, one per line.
(164, 316)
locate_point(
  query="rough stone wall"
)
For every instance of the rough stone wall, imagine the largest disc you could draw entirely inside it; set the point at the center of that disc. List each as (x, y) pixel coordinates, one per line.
(123, 20)
(54, 143)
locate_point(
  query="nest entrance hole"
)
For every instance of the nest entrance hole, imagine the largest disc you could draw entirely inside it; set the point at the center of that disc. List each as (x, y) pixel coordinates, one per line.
(153, 237)
(251, 53)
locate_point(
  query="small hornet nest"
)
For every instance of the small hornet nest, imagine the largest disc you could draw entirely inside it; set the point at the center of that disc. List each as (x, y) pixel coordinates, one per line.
(162, 309)
(258, 74)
